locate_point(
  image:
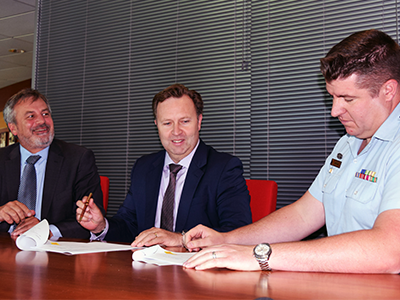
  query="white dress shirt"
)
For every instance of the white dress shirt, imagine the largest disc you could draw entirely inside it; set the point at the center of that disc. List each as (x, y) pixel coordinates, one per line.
(180, 181)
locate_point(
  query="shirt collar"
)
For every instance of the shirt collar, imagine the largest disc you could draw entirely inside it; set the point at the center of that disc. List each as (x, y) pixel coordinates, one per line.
(185, 162)
(25, 154)
(388, 130)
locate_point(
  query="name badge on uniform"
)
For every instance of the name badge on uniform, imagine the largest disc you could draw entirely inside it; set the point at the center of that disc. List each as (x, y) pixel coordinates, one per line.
(336, 163)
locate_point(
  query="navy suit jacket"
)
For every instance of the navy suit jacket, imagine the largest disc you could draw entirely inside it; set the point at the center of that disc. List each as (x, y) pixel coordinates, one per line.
(71, 173)
(214, 194)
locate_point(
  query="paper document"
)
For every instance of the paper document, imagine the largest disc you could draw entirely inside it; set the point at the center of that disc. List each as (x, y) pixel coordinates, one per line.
(36, 239)
(158, 256)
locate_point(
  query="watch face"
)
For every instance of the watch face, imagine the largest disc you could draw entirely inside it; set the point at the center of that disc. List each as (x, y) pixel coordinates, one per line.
(262, 249)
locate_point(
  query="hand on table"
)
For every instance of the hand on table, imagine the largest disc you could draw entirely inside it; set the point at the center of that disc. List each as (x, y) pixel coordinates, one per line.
(15, 212)
(92, 219)
(157, 236)
(202, 236)
(234, 257)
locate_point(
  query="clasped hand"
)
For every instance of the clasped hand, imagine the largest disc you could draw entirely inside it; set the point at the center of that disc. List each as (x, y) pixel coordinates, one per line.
(18, 213)
(15, 212)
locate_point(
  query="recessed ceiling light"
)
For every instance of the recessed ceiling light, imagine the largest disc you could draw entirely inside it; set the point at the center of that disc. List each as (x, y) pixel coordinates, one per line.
(17, 50)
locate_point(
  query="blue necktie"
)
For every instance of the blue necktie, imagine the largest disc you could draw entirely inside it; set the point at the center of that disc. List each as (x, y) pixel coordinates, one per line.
(167, 211)
(27, 186)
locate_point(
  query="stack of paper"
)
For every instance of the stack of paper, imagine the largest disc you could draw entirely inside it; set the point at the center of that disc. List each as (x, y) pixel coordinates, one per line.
(158, 256)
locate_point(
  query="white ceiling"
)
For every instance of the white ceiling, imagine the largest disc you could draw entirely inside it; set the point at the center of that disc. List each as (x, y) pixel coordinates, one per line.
(17, 26)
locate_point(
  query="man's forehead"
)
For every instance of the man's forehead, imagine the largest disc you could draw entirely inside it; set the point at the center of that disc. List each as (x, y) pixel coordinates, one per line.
(343, 86)
(28, 101)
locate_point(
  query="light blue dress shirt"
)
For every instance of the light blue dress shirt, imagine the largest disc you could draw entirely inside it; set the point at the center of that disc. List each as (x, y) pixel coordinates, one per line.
(356, 188)
(40, 167)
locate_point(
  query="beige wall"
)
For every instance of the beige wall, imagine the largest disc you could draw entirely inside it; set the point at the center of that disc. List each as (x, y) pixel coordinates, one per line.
(2, 123)
(6, 93)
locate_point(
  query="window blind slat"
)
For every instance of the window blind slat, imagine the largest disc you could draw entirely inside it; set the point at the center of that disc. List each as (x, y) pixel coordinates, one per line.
(256, 64)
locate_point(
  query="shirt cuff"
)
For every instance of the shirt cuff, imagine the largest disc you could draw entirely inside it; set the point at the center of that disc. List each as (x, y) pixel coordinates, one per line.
(53, 228)
(55, 231)
(100, 236)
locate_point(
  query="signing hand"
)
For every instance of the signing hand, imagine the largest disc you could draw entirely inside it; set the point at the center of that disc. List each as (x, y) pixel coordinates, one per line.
(93, 219)
(202, 236)
(154, 236)
(15, 211)
(234, 257)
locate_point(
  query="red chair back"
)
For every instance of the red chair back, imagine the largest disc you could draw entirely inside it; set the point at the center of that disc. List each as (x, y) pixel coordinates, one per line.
(105, 187)
(263, 195)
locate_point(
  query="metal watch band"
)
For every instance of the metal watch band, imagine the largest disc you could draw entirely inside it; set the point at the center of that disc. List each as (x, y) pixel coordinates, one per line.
(264, 264)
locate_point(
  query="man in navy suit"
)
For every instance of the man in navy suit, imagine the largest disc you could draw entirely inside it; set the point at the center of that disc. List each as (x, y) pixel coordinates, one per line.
(210, 188)
(64, 172)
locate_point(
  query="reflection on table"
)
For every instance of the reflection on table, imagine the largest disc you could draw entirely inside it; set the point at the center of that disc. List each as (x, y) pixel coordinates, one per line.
(113, 275)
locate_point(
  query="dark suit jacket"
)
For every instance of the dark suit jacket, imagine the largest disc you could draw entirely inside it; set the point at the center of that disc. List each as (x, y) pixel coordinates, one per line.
(71, 173)
(214, 194)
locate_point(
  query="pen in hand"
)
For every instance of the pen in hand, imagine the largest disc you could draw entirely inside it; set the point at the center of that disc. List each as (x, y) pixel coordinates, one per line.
(84, 208)
(184, 240)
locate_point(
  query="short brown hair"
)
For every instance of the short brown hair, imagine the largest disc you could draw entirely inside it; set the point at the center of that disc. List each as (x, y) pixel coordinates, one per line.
(371, 54)
(177, 91)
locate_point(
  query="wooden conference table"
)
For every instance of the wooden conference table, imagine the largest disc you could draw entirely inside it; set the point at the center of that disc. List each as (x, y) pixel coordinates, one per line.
(113, 275)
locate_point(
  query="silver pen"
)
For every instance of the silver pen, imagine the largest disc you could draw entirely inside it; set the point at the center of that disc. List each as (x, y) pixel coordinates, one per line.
(184, 240)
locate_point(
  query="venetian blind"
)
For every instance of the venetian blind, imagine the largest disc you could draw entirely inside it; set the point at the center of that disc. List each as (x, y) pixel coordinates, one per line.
(256, 64)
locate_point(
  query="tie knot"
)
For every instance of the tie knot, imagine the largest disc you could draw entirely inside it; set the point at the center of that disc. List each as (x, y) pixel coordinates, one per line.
(174, 169)
(32, 159)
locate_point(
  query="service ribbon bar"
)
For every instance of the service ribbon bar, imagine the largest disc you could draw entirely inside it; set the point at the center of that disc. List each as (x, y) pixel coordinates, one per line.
(367, 175)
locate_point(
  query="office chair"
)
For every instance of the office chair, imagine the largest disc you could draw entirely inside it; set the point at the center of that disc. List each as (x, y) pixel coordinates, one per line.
(263, 195)
(105, 187)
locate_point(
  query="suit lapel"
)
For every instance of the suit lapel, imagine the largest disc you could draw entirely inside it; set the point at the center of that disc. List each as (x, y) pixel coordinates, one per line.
(13, 171)
(193, 177)
(53, 169)
(153, 180)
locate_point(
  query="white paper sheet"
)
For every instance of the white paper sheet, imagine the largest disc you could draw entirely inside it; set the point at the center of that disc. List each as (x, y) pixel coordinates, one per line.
(36, 239)
(72, 248)
(158, 256)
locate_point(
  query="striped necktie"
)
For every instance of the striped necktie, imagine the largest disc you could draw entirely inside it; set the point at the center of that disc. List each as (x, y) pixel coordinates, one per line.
(167, 211)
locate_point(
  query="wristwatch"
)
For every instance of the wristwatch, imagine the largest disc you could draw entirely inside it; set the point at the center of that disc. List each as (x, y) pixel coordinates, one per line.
(262, 252)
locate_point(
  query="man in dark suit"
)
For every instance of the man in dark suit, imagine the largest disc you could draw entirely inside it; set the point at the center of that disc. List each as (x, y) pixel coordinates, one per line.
(210, 188)
(64, 172)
